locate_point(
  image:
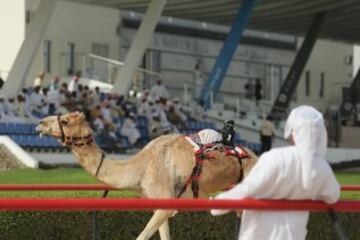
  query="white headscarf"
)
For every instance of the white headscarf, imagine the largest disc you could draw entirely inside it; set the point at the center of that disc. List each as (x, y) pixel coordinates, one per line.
(307, 127)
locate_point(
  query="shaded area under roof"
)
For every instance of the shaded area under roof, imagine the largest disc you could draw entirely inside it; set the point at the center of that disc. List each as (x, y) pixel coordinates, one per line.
(278, 16)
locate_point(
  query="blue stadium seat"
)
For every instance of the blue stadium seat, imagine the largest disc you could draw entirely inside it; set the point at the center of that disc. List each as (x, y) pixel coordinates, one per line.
(32, 129)
(144, 133)
(3, 128)
(11, 128)
(141, 121)
(125, 142)
(190, 125)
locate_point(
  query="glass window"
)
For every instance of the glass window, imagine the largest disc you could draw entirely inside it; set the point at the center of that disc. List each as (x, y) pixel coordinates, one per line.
(100, 49)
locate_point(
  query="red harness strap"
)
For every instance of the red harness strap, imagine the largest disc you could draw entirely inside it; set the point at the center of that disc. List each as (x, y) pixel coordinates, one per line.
(200, 155)
(195, 175)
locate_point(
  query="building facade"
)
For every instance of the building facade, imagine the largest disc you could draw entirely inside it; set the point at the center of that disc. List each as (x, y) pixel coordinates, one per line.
(77, 30)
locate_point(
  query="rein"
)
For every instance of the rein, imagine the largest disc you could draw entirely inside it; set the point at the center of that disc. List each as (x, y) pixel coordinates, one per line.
(61, 130)
(72, 141)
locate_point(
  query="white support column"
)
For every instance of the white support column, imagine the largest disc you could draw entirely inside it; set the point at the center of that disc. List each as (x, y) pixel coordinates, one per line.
(138, 47)
(29, 48)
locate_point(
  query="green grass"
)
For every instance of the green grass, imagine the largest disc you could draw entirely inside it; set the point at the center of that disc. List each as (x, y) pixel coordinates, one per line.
(53, 176)
(348, 177)
(80, 176)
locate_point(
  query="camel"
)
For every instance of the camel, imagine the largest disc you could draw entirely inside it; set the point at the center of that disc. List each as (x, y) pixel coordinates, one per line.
(159, 170)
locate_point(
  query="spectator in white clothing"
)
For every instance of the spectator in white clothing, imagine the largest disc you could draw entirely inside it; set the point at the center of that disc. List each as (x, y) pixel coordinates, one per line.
(159, 91)
(73, 85)
(106, 112)
(129, 129)
(10, 107)
(2, 109)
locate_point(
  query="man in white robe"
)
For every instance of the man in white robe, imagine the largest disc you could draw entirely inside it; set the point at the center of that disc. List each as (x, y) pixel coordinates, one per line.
(129, 129)
(73, 84)
(159, 91)
(297, 172)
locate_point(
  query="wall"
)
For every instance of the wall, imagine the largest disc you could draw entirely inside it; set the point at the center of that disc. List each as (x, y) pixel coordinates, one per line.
(179, 54)
(331, 58)
(12, 23)
(80, 24)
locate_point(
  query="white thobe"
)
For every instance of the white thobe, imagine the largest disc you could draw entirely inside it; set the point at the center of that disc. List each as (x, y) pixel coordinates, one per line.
(158, 91)
(2, 110)
(55, 98)
(73, 85)
(36, 102)
(278, 175)
(98, 125)
(143, 109)
(130, 131)
(10, 109)
(106, 112)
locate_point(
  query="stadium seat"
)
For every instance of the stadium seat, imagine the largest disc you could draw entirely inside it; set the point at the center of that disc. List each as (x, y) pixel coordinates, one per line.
(125, 142)
(144, 133)
(3, 128)
(141, 121)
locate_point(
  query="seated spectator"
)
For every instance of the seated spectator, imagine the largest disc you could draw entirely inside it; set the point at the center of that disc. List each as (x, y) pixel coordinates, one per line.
(157, 128)
(129, 129)
(10, 108)
(106, 112)
(2, 109)
(20, 106)
(39, 80)
(95, 112)
(106, 133)
(36, 103)
(55, 98)
(96, 95)
(74, 82)
(159, 91)
(98, 124)
(174, 118)
(179, 109)
(146, 107)
(54, 84)
(69, 104)
(199, 113)
(85, 106)
(45, 101)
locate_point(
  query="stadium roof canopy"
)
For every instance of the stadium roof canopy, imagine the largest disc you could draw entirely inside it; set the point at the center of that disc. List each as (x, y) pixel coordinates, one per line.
(278, 16)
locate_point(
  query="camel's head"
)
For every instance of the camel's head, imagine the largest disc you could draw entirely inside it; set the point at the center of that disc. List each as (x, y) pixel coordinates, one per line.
(65, 127)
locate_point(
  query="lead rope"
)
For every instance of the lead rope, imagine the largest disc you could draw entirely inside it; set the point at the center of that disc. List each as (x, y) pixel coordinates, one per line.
(104, 195)
(61, 130)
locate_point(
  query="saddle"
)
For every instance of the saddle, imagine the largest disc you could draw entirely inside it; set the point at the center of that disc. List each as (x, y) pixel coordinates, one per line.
(201, 152)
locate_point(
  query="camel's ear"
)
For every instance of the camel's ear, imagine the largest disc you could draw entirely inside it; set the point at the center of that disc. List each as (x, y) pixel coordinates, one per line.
(81, 117)
(64, 120)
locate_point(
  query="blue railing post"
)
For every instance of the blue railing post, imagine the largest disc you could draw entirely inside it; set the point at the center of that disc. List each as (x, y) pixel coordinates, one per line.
(221, 65)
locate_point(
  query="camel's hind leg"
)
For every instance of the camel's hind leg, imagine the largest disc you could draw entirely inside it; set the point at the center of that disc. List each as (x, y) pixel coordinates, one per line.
(159, 219)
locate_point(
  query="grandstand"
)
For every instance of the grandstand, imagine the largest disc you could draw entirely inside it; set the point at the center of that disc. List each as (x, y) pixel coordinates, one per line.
(25, 135)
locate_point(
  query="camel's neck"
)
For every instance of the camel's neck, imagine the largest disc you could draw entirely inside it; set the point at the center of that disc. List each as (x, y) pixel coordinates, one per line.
(122, 174)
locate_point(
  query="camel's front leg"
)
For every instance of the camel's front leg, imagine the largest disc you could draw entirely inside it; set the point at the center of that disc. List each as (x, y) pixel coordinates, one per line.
(164, 231)
(158, 219)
